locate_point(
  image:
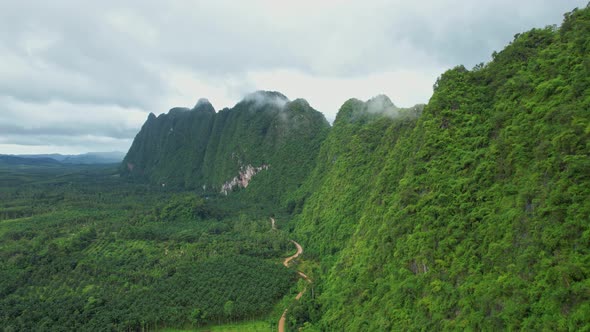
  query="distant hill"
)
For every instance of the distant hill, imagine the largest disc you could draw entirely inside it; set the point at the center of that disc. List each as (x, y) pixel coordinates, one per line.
(16, 160)
(85, 158)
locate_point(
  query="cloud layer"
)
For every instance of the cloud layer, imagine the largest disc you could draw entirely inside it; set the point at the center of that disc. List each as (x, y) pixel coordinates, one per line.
(78, 77)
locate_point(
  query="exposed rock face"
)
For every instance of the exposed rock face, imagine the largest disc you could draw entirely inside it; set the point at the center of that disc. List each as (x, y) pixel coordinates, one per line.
(242, 179)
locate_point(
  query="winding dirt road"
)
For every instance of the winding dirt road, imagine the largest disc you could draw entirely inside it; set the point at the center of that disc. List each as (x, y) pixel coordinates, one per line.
(290, 258)
(306, 278)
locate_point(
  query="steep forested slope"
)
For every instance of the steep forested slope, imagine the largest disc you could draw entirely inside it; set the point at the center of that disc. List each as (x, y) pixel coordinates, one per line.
(475, 216)
(348, 164)
(264, 137)
(170, 148)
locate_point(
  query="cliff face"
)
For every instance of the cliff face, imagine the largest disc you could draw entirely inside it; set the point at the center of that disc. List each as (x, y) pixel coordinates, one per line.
(199, 148)
(242, 179)
(474, 216)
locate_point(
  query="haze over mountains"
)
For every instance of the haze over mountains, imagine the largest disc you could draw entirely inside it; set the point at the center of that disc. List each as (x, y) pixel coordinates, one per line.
(56, 158)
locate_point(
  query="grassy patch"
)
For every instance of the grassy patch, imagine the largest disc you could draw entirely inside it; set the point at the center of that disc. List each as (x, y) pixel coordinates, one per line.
(249, 326)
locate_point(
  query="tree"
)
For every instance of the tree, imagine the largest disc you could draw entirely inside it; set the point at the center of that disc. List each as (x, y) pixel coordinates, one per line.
(196, 317)
(228, 308)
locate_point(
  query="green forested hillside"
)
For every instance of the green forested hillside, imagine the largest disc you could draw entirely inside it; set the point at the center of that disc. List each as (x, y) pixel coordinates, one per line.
(163, 143)
(474, 216)
(353, 154)
(202, 149)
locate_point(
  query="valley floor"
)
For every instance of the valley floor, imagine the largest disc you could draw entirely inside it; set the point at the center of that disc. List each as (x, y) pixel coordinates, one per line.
(82, 250)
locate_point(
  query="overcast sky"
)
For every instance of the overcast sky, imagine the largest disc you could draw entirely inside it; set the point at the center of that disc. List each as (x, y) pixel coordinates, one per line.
(79, 76)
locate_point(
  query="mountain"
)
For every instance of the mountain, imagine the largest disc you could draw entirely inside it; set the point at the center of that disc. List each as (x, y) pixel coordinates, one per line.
(85, 158)
(470, 215)
(265, 138)
(17, 160)
(95, 158)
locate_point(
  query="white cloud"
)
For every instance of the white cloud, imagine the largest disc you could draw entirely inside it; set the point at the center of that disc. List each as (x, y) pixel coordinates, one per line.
(101, 66)
(66, 127)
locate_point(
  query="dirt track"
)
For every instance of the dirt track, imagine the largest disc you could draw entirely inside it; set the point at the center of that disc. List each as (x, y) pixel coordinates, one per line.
(306, 278)
(290, 258)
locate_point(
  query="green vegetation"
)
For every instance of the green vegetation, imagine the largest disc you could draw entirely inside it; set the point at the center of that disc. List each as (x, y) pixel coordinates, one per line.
(80, 249)
(469, 213)
(475, 215)
(201, 149)
(248, 326)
